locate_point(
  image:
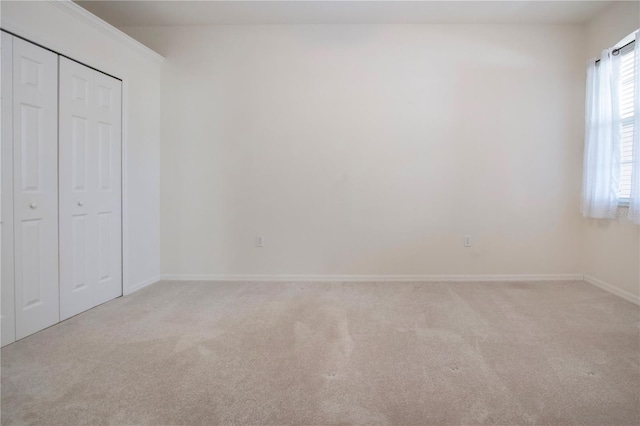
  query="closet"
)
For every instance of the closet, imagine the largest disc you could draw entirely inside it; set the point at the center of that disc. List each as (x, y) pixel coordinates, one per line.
(61, 223)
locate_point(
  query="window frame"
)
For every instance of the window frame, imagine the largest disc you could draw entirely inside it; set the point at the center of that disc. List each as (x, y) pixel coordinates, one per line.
(624, 50)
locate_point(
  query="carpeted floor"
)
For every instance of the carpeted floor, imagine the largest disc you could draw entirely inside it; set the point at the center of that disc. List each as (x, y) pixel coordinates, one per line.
(334, 353)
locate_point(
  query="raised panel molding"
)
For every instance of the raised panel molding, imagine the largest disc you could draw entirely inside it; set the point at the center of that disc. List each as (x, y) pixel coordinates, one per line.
(78, 239)
(30, 146)
(79, 152)
(104, 249)
(30, 73)
(104, 97)
(80, 90)
(104, 156)
(31, 252)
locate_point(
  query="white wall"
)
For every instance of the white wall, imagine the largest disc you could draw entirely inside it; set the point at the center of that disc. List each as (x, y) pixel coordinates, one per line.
(53, 27)
(370, 149)
(611, 251)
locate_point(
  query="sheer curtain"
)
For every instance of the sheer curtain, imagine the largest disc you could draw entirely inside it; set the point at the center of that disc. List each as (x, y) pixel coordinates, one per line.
(634, 201)
(601, 174)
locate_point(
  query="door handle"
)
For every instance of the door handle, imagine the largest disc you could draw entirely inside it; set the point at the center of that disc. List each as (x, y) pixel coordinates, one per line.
(33, 205)
(81, 203)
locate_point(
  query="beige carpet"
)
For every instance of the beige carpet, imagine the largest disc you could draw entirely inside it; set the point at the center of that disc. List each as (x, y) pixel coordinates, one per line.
(334, 353)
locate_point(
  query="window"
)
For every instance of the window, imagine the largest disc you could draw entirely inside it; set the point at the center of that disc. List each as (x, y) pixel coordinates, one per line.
(627, 107)
(611, 172)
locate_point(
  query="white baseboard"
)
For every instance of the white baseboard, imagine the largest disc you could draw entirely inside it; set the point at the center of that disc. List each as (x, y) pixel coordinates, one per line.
(612, 289)
(376, 278)
(140, 285)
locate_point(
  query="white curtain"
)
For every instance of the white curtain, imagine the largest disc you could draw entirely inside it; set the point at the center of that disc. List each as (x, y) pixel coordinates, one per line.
(601, 174)
(634, 202)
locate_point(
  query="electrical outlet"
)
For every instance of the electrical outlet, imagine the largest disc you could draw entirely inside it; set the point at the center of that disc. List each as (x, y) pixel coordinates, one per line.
(467, 240)
(260, 241)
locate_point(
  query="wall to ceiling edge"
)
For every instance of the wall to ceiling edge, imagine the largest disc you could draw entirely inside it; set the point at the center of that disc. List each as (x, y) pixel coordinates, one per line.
(70, 30)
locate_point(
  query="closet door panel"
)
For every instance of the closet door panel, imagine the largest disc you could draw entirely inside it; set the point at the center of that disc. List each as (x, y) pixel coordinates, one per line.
(35, 153)
(7, 315)
(90, 188)
(78, 162)
(108, 93)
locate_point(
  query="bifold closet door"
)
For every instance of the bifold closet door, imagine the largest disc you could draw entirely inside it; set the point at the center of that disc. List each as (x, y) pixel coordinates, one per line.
(7, 316)
(35, 187)
(90, 188)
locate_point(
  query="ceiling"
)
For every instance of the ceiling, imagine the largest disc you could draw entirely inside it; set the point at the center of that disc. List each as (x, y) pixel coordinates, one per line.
(187, 13)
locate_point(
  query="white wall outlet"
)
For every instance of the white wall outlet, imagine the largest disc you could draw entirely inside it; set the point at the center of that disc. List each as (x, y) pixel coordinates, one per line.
(467, 240)
(260, 241)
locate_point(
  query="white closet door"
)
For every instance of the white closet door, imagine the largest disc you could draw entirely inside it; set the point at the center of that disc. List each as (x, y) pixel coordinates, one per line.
(35, 179)
(7, 316)
(90, 188)
(108, 97)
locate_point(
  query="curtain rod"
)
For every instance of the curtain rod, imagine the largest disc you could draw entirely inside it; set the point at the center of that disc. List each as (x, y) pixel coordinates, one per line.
(618, 49)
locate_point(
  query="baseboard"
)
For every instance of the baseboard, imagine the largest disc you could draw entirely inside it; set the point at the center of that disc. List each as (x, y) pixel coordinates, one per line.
(140, 285)
(612, 289)
(377, 278)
